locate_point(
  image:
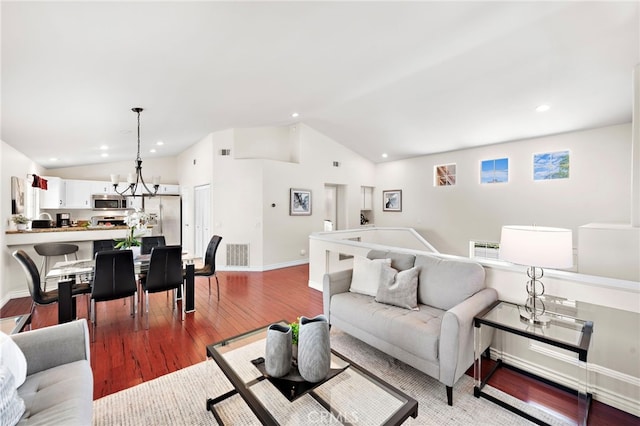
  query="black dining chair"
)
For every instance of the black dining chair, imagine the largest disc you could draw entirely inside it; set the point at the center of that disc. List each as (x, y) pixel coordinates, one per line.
(113, 278)
(103, 245)
(49, 250)
(38, 295)
(149, 243)
(209, 268)
(165, 273)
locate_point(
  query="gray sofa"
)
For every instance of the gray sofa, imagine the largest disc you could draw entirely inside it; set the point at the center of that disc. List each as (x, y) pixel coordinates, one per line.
(58, 389)
(437, 339)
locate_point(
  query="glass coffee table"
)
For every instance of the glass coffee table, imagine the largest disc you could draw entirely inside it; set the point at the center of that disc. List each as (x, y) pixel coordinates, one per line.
(15, 324)
(351, 396)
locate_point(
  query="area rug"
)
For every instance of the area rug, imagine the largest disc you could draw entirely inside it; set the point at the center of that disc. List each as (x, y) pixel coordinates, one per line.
(180, 398)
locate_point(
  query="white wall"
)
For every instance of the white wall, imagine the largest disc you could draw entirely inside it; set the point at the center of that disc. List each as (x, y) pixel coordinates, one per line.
(14, 163)
(195, 168)
(598, 189)
(284, 235)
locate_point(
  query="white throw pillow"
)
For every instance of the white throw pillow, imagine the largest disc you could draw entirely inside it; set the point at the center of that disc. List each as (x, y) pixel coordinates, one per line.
(11, 405)
(13, 358)
(367, 274)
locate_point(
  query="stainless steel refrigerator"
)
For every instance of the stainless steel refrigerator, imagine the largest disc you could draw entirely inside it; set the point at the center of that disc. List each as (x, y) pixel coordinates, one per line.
(165, 213)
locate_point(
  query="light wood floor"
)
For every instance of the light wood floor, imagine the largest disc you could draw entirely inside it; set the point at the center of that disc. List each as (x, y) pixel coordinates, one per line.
(125, 354)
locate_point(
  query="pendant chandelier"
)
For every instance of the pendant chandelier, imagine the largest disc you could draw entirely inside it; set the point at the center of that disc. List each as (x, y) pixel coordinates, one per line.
(132, 183)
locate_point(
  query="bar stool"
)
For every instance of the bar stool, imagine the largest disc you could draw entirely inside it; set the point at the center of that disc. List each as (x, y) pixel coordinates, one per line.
(48, 250)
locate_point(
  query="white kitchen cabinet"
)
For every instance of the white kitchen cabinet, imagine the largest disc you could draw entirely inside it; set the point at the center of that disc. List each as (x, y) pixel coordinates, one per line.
(102, 187)
(77, 194)
(169, 190)
(53, 197)
(366, 193)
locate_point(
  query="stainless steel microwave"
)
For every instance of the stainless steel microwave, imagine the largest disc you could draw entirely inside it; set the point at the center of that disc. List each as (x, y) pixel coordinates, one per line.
(108, 202)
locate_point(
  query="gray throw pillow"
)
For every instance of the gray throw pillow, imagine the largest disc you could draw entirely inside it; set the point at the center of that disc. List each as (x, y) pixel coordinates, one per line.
(399, 288)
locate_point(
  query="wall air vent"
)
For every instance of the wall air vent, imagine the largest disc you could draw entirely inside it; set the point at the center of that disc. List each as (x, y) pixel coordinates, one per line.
(336, 164)
(238, 255)
(225, 152)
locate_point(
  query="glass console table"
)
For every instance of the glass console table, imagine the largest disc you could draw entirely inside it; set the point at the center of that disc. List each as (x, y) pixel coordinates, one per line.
(571, 335)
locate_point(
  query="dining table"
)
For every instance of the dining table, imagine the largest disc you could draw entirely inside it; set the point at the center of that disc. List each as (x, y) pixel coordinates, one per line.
(68, 272)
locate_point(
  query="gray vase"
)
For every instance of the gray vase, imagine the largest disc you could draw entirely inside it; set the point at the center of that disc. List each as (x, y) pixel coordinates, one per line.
(277, 359)
(314, 349)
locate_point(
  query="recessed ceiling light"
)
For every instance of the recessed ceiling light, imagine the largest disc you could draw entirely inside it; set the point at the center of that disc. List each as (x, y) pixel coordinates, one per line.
(295, 115)
(104, 154)
(159, 143)
(384, 155)
(152, 150)
(104, 147)
(53, 159)
(542, 108)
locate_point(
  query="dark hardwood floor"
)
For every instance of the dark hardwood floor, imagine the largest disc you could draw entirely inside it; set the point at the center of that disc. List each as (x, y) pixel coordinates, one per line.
(125, 354)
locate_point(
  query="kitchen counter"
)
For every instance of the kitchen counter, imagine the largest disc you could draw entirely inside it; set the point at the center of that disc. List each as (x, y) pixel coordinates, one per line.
(68, 229)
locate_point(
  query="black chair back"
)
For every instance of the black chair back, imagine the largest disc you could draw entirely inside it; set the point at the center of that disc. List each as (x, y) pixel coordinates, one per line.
(113, 276)
(33, 278)
(103, 245)
(165, 269)
(210, 255)
(148, 243)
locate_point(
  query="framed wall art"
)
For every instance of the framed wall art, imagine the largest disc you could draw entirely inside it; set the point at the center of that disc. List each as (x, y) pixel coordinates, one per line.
(551, 165)
(494, 171)
(444, 175)
(299, 202)
(392, 200)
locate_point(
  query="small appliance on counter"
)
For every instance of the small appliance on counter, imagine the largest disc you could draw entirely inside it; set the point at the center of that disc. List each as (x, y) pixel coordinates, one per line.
(106, 221)
(63, 220)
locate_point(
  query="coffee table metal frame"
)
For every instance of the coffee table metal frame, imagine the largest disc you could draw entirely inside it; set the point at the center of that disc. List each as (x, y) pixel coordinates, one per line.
(16, 323)
(408, 409)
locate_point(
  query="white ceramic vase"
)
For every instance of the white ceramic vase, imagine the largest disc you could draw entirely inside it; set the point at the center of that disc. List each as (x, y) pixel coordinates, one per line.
(277, 359)
(314, 349)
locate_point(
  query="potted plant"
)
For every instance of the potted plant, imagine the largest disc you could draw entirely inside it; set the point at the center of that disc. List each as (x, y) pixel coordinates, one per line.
(135, 221)
(21, 222)
(295, 326)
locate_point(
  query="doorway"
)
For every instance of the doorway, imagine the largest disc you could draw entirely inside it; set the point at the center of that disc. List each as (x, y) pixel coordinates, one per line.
(331, 207)
(202, 219)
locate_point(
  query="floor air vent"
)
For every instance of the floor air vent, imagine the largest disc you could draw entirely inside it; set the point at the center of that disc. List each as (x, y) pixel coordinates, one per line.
(237, 254)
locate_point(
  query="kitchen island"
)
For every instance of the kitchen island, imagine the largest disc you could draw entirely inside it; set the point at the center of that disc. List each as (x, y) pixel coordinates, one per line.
(16, 285)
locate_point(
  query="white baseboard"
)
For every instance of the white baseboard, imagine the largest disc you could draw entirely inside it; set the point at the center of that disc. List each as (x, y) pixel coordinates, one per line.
(264, 267)
(626, 402)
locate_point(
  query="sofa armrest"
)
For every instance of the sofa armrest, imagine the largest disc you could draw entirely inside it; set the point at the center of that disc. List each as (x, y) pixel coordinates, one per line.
(49, 347)
(456, 335)
(334, 283)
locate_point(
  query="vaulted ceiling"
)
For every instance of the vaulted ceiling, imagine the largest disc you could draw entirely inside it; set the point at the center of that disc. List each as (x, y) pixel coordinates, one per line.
(401, 78)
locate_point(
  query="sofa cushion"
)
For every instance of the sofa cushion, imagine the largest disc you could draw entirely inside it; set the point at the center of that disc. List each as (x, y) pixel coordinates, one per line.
(417, 332)
(11, 405)
(12, 357)
(399, 288)
(367, 274)
(444, 283)
(61, 395)
(399, 261)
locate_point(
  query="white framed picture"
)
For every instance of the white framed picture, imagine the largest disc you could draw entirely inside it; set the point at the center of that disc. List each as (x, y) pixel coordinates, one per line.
(299, 202)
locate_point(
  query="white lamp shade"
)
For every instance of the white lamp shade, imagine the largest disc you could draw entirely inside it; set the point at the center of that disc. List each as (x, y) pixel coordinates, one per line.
(538, 246)
(115, 179)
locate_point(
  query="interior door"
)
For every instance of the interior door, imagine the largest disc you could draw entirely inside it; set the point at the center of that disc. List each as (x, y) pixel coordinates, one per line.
(202, 227)
(331, 205)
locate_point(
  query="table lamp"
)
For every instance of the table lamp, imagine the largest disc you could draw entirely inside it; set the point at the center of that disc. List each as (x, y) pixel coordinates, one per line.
(536, 247)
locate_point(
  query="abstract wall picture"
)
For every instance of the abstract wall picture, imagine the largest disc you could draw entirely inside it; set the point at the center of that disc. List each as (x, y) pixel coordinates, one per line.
(551, 165)
(299, 202)
(392, 200)
(445, 175)
(494, 171)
